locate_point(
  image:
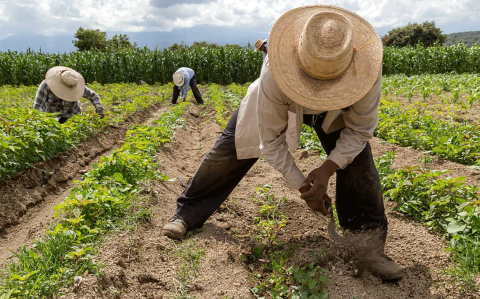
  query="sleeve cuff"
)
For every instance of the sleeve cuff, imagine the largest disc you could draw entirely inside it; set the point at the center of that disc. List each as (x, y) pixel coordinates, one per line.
(338, 159)
(295, 178)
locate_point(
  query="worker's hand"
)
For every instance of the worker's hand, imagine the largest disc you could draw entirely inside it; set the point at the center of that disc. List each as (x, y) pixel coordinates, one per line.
(323, 205)
(314, 188)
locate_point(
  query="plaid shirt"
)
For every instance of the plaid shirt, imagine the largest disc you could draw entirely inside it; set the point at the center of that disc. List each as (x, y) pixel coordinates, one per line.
(46, 101)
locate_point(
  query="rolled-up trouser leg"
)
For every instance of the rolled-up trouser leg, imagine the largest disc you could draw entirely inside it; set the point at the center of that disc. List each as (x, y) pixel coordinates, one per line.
(218, 174)
(359, 199)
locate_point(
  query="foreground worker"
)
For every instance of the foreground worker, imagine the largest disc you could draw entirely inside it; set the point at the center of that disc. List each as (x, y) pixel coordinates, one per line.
(182, 79)
(323, 69)
(61, 91)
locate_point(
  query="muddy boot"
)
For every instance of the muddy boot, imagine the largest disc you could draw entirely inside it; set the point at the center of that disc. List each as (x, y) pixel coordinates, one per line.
(379, 264)
(176, 228)
(372, 257)
(384, 267)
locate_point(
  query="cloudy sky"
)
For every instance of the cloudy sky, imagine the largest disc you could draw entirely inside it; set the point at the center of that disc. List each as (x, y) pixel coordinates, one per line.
(62, 17)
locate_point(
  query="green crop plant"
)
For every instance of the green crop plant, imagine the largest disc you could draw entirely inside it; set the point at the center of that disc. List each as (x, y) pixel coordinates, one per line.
(28, 136)
(458, 142)
(271, 219)
(222, 65)
(101, 201)
(445, 204)
(446, 87)
(223, 102)
(308, 281)
(437, 59)
(280, 278)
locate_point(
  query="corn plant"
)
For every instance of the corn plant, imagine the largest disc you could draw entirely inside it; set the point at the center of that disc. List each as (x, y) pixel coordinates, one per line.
(222, 65)
(416, 60)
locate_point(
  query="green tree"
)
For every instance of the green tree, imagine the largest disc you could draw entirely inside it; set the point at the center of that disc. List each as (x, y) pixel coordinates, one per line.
(176, 47)
(233, 46)
(426, 33)
(89, 39)
(204, 44)
(120, 42)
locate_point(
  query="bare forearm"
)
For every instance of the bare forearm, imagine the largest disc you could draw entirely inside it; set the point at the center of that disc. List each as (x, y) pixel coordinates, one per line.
(330, 167)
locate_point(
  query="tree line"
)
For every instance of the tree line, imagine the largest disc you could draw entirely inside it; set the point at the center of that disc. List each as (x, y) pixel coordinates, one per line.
(426, 33)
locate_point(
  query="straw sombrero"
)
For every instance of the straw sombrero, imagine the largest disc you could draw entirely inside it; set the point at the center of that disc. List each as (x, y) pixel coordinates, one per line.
(324, 57)
(65, 83)
(178, 78)
(259, 43)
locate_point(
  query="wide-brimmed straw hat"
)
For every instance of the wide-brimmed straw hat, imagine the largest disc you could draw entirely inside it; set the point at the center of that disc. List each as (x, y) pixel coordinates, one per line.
(324, 57)
(259, 43)
(178, 78)
(65, 83)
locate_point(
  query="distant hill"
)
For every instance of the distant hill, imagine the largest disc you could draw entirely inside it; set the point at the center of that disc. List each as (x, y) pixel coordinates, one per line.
(164, 39)
(37, 42)
(467, 37)
(152, 40)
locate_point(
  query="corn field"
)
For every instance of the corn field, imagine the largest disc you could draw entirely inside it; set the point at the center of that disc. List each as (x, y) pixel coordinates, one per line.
(222, 65)
(458, 58)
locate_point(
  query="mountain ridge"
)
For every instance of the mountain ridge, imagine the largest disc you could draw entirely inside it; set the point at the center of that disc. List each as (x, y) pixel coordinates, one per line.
(164, 39)
(151, 40)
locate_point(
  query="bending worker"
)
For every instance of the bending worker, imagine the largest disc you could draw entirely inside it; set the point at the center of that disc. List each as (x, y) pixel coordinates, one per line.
(323, 69)
(182, 79)
(61, 91)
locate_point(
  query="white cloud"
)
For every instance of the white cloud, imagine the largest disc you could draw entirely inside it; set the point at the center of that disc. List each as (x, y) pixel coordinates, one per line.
(56, 17)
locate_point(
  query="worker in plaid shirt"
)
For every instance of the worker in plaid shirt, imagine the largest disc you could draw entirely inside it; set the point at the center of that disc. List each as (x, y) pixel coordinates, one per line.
(60, 93)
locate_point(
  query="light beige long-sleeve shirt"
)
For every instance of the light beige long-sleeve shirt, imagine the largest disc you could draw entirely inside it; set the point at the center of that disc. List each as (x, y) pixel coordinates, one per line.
(269, 125)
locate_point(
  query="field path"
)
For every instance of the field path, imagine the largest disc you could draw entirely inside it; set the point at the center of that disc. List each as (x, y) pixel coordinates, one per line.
(145, 264)
(29, 196)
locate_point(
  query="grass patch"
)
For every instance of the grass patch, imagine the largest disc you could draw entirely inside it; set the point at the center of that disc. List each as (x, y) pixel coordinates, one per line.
(189, 259)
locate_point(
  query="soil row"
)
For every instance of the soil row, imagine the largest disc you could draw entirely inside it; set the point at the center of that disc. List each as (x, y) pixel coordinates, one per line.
(27, 198)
